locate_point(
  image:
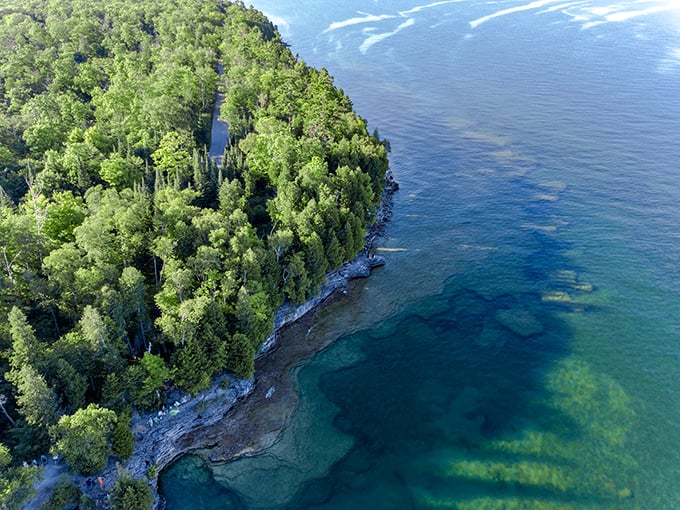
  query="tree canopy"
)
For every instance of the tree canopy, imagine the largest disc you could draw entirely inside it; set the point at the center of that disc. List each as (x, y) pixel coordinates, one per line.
(128, 260)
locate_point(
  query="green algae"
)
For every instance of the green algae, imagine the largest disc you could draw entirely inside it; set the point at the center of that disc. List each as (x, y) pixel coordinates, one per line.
(525, 473)
(520, 321)
(580, 460)
(509, 503)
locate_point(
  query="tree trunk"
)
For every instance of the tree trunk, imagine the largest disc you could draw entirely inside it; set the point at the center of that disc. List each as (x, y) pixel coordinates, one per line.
(3, 399)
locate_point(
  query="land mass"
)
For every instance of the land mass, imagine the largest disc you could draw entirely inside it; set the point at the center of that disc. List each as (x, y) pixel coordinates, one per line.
(235, 416)
(134, 271)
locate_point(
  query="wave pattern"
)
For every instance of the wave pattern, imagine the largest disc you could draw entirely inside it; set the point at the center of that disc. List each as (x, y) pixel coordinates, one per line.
(586, 13)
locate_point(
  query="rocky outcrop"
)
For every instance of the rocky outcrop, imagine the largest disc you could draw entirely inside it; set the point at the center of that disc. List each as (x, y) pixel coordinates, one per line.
(384, 213)
(288, 313)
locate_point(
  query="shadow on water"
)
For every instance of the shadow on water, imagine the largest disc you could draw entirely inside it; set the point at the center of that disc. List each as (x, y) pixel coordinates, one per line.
(473, 400)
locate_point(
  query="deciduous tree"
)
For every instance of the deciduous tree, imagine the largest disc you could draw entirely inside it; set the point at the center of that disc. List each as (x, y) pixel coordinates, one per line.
(84, 438)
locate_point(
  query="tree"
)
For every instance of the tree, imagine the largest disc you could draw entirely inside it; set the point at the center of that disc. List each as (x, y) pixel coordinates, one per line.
(122, 440)
(156, 372)
(5, 456)
(94, 330)
(130, 494)
(281, 241)
(173, 212)
(26, 348)
(120, 171)
(71, 385)
(46, 129)
(174, 155)
(296, 282)
(84, 438)
(135, 314)
(37, 402)
(80, 160)
(198, 354)
(62, 268)
(241, 355)
(3, 401)
(64, 213)
(254, 315)
(16, 241)
(16, 483)
(64, 495)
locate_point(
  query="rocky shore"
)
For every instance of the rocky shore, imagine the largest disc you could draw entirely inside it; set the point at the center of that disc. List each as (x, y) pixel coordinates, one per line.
(212, 418)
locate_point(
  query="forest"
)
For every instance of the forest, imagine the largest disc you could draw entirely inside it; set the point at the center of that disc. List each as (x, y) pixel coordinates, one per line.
(129, 262)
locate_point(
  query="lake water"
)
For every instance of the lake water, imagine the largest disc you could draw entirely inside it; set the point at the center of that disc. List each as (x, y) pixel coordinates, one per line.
(521, 349)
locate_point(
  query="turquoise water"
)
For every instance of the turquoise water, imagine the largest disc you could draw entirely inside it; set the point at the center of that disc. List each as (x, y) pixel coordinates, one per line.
(520, 349)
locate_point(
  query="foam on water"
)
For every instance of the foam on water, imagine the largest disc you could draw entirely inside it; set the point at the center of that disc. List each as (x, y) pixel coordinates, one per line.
(374, 39)
(587, 13)
(419, 8)
(367, 18)
(511, 10)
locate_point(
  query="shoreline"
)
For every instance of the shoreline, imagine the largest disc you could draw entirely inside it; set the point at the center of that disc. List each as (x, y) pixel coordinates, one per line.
(212, 418)
(256, 423)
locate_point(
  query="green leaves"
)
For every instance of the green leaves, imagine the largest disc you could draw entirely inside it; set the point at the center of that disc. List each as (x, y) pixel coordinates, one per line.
(65, 212)
(122, 440)
(84, 438)
(120, 171)
(37, 402)
(174, 156)
(131, 494)
(156, 372)
(26, 348)
(127, 258)
(144, 379)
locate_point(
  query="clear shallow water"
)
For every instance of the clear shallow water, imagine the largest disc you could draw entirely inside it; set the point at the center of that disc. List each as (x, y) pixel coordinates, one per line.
(520, 349)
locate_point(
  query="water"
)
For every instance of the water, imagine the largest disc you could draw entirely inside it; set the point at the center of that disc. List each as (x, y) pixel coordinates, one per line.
(520, 349)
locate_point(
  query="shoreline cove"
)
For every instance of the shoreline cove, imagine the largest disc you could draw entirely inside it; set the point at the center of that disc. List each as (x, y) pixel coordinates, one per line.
(227, 417)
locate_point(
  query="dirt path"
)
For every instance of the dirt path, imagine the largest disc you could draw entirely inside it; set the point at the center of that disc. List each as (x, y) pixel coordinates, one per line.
(51, 474)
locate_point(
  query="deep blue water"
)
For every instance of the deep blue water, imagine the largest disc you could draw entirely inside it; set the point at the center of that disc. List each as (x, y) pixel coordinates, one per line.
(521, 347)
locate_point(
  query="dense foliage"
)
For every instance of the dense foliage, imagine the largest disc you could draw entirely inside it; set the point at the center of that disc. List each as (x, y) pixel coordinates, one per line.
(128, 260)
(131, 494)
(67, 496)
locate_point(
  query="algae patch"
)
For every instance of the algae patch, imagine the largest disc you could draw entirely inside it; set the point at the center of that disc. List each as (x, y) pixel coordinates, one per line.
(570, 453)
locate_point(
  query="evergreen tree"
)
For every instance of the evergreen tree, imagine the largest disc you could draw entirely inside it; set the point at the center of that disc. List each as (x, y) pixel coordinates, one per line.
(130, 494)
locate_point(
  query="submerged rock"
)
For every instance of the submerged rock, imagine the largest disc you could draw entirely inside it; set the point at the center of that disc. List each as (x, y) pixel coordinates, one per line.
(491, 336)
(565, 276)
(520, 321)
(557, 296)
(583, 287)
(553, 185)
